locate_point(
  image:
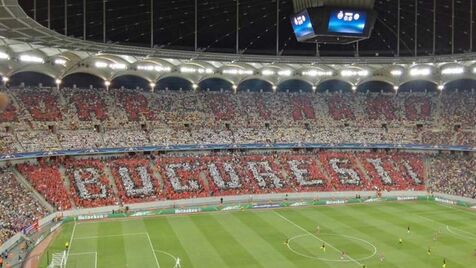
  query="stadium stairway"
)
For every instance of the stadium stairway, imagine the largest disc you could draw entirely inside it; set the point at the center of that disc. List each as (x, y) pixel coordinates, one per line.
(156, 173)
(67, 185)
(362, 169)
(19, 177)
(110, 177)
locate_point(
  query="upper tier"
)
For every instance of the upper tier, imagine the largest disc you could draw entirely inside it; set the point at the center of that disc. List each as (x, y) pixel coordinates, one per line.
(52, 119)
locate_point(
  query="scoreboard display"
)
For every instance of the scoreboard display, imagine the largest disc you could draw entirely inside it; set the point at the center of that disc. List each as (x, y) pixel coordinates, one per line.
(347, 22)
(333, 25)
(302, 25)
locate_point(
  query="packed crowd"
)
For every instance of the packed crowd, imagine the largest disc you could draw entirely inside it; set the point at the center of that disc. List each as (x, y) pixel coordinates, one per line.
(87, 118)
(18, 207)
(120, 180)
(125, 180)
(454, 175)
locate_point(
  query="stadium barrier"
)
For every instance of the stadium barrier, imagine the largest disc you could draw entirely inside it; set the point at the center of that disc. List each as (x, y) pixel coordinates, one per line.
(255, 146)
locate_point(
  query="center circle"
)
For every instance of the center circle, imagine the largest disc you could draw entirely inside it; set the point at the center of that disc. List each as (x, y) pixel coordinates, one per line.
(315, 242)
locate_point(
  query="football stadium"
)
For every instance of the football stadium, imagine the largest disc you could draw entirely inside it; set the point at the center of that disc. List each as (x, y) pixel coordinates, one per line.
(237, 133)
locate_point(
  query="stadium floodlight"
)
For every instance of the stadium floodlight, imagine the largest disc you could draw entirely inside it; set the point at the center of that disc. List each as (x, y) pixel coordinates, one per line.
(274, 87)
(314, 73)
(100, 64)
(314, 87)
(396, 72)
(236, 71)
(117, 66)
(285, 73)
(441, 87)
(193, 70)
(354, 87)
(152, 85)
(187, 70)
(268, 72)
(157, 68)
(58, 81)
(107, 83)
(32, 59)
(205, 71)
(145, 67)
(234, 87)
(350, 73)
(420, 72)
(60, 61)
(396, 87)
(452, 70)
(5, 79)
(195, 86)
(4, 56)
(162, 69)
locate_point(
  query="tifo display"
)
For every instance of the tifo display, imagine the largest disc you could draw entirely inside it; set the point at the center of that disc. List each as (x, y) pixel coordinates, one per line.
(86, 183)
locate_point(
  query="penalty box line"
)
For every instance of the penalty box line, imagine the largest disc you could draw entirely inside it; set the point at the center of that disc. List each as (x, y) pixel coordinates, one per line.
(316, 237)
(88, 253)
(146, 234)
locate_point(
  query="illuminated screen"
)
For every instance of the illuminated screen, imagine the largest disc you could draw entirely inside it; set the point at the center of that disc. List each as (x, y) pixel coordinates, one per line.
(347, 21)
(302, 25)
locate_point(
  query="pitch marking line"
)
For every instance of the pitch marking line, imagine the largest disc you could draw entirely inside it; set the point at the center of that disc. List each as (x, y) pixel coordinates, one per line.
(459, 235)
(120, 235)
(153, 251)
(472, 237)
(332, 260)
(88, 253)
(168, 254)
(70, 244)
(313, 235)
(469, 212)
(106, 236)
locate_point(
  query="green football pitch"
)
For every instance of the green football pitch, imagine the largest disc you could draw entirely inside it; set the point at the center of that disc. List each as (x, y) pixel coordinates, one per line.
(368, 234)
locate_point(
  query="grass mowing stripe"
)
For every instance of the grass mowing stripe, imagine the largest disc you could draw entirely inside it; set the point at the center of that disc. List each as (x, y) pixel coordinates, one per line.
(114, 246)
(139, 249)
(263, 251)
(468, 212)
(195, 243)
(330, 223)
(421, 234)
(232, 252)
(452, 220)
(361, 249)
(161, 232)
(466, 236)
(306, 231)
(382, 229)
(107, 236)
(259, 235)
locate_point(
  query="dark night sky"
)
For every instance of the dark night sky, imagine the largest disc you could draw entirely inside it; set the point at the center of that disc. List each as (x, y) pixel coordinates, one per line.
(128, 22)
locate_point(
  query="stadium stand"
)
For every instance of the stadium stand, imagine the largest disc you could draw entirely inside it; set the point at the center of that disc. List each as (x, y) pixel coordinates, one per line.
(44, 119)
(99, 182)
(51, 119)
(18, 207)
(94, 181)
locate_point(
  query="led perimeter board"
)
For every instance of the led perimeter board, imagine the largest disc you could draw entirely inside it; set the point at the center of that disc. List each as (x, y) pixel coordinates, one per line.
(333, 25)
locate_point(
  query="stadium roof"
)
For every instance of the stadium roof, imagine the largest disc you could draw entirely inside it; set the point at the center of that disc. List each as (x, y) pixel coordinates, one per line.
(29, 46)
(403, 27)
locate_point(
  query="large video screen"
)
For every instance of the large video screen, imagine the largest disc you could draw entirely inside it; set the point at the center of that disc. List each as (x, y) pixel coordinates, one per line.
(347, 21)
(302, 25)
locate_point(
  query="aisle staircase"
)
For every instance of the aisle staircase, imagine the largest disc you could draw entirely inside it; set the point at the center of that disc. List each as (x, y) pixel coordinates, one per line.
(23, 181)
